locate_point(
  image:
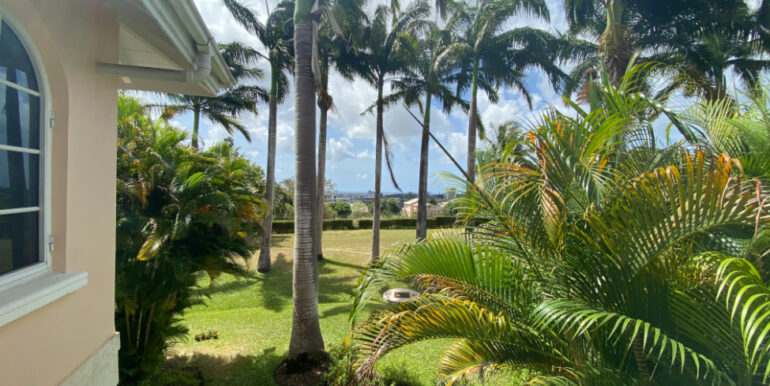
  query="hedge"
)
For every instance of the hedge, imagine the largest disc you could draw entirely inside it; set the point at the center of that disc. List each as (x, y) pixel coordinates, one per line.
(338, 224)
(287, 226)
(398, 223)
(442, 222)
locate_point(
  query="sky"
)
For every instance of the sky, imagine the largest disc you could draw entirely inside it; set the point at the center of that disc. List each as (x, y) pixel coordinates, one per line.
(350, 136)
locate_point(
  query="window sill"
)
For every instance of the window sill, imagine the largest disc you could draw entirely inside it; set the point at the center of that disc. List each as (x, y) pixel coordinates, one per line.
(37, 292)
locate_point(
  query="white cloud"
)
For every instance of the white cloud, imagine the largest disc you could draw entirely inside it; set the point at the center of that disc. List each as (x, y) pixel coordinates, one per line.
(343, 148)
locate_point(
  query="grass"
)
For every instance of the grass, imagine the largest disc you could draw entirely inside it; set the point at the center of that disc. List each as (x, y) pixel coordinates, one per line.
(253, 316)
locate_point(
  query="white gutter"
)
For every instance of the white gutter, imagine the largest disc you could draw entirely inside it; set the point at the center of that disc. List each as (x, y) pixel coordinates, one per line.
(183, 25)
(201, 72)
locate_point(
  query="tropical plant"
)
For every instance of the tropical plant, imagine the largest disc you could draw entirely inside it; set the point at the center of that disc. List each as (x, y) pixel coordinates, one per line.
(180, 213)
(743, 131)
(426, 76)
(276, 36)
(703, 40)
(487, 55)
(380, 58)
(587, 274)
(224, 108)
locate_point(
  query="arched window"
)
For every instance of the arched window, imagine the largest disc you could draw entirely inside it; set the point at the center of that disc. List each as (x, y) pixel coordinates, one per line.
(22, 157)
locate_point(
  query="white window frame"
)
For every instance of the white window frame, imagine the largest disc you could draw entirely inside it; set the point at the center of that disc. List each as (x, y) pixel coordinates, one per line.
(26, 289)
(45, 244)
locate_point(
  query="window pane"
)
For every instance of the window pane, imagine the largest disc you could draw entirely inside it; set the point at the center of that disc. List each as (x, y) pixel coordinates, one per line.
(19, 179)
(19, 118)
(15, 65)
(19, 241)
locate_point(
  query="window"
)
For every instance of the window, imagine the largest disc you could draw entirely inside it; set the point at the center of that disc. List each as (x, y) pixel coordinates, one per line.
(22, 161)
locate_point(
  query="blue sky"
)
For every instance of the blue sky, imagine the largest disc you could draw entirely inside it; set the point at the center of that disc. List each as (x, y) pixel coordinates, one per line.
(350, 141)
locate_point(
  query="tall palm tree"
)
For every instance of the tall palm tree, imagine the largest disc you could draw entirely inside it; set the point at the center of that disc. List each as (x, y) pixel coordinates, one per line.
(275, 35)
(306, 340)
(330, 51)
(426, 76)
(701, 39)
(224, 108)
(488, 56)
(379, 59)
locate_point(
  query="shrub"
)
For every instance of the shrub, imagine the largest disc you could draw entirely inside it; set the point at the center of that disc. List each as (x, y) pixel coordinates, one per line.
(342, 209)
(283, 226)
(339, 224)
(443, 221)
(365, 223)
(398, 223)
(179, 213)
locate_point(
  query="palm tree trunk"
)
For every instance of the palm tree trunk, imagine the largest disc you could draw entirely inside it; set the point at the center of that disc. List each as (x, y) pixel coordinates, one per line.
(422, 191)
(196, 122)
(321, 181)
(324, 103)
(472, 119)
(377, 176)
(306, 339)
(263, 264)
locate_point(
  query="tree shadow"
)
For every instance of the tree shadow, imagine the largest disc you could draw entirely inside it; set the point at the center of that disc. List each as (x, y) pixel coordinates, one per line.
(235, 285)
(235, 370)
(276, 284)
(341, 264)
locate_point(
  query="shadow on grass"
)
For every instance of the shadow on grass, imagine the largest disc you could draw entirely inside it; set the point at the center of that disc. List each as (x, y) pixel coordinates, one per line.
(276, 284)
(237, 370)
(231, 286)
(333, 286)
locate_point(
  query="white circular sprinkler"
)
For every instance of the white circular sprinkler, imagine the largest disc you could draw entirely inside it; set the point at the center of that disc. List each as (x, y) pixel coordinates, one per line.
(398, 295)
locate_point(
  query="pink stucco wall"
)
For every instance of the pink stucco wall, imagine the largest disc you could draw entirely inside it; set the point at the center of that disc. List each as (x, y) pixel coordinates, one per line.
(45, 346)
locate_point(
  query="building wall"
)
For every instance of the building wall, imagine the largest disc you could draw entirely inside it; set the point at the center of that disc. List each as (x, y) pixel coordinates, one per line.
(48, 345)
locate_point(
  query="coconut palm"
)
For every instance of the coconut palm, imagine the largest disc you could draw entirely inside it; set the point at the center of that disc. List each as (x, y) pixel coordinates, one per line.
(379, 59)
(426, 76)
(275, 35)
(488, 56)
(224, 108)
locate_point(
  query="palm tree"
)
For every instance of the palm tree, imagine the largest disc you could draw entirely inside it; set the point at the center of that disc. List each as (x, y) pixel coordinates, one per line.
(427, 75)
(330, 50)
(701, 40)
(275, 35)
(306, 340)
(488, 57)
(379, 59)
(180, 212)
(223, 108)
(588, 276)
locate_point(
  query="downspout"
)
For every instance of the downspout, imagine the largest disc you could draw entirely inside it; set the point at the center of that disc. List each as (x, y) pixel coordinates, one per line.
(201, 72)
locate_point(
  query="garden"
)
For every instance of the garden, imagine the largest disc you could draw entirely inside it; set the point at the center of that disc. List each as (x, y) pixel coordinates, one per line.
(619, 237)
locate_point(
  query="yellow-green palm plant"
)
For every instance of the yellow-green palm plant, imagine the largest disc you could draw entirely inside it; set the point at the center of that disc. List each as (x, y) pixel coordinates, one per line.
(585, 274)
(627, 298)
(180, 212)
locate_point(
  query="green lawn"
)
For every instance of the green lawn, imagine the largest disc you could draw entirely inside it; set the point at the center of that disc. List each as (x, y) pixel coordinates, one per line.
(253, 316)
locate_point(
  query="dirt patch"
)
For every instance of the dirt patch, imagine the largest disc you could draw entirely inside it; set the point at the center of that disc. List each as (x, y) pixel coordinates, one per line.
(307, 370)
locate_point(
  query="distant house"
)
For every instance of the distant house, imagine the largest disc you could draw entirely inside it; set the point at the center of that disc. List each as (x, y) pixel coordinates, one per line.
(62, 64)
(410, 208)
